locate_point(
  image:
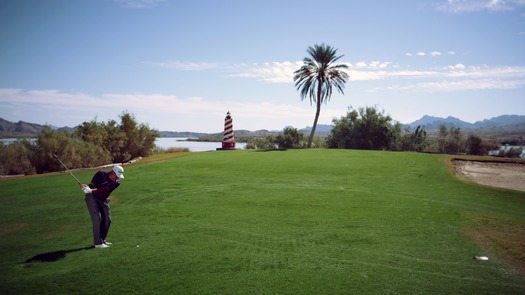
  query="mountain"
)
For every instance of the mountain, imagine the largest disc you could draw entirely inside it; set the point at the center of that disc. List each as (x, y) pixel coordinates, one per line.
(19, 129)
(433, 123)
(319, 129)
(501, 121)
(24, 129)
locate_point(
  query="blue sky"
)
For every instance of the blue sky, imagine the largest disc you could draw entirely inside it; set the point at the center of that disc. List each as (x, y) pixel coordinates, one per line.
(180, 65)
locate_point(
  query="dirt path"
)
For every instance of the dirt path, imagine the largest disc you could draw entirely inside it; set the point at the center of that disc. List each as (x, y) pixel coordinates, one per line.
(504, 175)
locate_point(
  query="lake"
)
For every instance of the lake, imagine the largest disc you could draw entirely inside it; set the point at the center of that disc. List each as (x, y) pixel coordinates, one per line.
(193, 146)
(171, 142)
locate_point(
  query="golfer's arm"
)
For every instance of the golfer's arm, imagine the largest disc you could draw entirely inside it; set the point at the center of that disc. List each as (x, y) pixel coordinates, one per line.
(102, 189)
(93, 188)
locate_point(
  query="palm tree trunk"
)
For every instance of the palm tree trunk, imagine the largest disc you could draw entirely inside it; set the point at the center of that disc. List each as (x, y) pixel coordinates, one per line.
(317, 112)
(315, 124)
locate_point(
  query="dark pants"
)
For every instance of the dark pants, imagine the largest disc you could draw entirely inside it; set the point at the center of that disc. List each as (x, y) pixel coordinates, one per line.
(100, 217)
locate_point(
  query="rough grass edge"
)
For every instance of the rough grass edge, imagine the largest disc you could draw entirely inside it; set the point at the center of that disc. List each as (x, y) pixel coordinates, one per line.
(503, 237)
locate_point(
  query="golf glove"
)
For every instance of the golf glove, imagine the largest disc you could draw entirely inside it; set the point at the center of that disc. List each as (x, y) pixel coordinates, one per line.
(87, 190)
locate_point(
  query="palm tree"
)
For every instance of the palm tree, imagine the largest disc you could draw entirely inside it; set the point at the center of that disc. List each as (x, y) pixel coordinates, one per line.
(317, 77)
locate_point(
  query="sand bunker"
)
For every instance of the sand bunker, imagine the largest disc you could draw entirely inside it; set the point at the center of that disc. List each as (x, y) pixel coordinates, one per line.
(497, 174)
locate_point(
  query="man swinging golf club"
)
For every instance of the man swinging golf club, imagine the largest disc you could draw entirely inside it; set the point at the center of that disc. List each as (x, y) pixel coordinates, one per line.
(97, 201)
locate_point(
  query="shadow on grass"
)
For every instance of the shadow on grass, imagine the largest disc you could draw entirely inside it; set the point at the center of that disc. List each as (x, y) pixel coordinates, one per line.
(54, 256)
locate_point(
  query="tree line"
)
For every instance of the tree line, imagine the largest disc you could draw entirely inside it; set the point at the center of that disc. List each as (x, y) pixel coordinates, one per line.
(370, 129)
(92, 144)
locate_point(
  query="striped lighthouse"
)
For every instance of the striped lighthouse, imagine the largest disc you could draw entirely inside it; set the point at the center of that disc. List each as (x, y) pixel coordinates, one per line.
(228, 142)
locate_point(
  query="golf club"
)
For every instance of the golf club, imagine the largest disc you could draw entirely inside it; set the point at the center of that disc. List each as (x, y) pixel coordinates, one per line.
(67, 169)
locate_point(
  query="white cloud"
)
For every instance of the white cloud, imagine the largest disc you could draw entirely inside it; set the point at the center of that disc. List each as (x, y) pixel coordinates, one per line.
(460, 6)
(379, 65)
(56, 100)
(159, 111)
(282, 72)
(461, 78)
(185, 66)
(361, 64)
(459, 67)
(463, 85)
(274, 72)
(433, 53)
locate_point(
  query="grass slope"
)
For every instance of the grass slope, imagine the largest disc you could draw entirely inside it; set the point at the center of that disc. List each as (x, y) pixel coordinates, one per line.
(284, 222)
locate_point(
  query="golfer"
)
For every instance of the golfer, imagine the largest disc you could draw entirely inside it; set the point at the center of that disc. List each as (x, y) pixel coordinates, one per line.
(97, 201)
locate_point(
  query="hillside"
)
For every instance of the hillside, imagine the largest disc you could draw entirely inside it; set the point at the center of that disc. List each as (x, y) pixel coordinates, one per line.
(19, 129)
(433, 123)
(505, 127)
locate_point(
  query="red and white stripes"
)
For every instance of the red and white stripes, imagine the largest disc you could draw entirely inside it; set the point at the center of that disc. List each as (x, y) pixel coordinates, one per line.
(228, 142)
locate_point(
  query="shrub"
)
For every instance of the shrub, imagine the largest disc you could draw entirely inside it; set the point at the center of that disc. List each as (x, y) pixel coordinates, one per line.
(261, 143)
(365, 128)
(124, 142)
(15, 158)
(290, 138)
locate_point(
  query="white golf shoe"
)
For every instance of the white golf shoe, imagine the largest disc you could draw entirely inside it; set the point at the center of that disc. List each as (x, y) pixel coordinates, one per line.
(108, 243)
(101, 246)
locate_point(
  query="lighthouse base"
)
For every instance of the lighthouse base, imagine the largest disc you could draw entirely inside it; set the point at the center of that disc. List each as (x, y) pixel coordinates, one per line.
(227, 145)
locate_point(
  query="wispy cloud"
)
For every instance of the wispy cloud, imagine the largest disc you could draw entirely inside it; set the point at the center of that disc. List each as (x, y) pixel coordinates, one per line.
(433, 53)
(274, 72)
(61, 108)
(184, 66)
(461, 78)
(64, 101)
(139, 4)
(446, 76)
(460, 6)
(461, 85)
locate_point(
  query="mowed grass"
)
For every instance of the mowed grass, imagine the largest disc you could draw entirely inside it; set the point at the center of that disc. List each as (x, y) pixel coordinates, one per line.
(248, 222)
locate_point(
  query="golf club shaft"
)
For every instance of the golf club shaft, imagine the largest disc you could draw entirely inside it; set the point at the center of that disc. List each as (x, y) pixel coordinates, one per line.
(67, 169)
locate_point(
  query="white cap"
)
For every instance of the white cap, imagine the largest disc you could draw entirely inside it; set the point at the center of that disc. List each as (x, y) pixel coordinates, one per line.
(119, 171)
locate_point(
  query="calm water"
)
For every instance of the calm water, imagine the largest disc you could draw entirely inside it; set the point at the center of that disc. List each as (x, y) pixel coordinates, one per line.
(175, 142)
(193, 146)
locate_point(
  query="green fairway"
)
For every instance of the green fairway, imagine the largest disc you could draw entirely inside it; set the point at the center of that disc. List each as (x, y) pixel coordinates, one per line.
(248, 222)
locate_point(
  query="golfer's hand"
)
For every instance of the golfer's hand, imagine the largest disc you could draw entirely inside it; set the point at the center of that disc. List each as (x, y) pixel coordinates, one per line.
(87, 190)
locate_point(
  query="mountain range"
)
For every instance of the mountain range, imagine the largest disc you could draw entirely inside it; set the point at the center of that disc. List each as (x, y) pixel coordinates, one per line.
(434, 123)
(510, 125)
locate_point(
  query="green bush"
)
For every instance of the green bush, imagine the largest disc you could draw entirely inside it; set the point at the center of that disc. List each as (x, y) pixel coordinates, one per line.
(290, 138)
(15, 158)
(124, 142)
(74, 152)
(365, 128)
